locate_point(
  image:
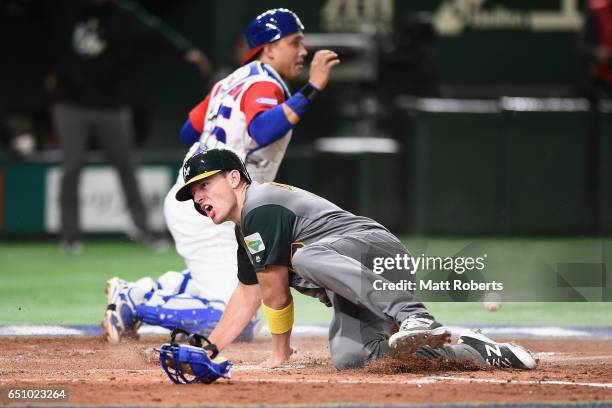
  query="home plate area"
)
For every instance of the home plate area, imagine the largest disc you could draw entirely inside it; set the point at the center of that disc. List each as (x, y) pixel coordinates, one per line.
(572, 370)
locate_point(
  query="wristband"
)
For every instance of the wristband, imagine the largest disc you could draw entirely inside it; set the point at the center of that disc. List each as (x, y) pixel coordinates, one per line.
(302, 98)
(309, 91)
(279, 321)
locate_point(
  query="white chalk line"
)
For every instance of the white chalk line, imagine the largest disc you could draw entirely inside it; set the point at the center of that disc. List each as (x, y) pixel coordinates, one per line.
(525, 382)
(427, 380)
(259, 368)
(559, 357)
(414, 381)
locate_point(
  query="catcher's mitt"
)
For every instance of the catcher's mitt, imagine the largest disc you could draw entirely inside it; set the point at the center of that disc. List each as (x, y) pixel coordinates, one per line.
(188, 364)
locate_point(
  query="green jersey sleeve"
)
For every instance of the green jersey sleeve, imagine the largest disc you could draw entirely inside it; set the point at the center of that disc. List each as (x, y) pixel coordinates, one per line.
(268, 234)
(246, 273)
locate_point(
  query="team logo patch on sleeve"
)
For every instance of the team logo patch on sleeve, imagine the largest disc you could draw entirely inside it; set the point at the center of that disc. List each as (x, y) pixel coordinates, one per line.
(254, 243)
(266, 101)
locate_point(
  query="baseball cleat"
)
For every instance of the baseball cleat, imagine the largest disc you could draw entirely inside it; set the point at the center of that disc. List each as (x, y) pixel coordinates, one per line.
(119, 322)
(416, 331)
(502, 355)
(114, 286)
(119, 318)
(111, 326)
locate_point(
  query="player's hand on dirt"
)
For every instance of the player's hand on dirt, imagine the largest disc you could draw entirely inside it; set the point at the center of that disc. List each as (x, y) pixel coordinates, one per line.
(321, 66)
(199, 59)
(277, 359)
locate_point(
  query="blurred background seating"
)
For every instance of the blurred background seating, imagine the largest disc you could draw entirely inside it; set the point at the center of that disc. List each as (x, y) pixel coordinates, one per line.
(446, 117)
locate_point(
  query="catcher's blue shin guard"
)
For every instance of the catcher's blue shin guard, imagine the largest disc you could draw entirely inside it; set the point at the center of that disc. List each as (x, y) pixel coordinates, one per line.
(188, 364)
(190, 313)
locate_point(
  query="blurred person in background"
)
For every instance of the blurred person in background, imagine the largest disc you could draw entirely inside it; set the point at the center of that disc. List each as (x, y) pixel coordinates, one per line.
(596, 43)
(596, 48)
(92, 40)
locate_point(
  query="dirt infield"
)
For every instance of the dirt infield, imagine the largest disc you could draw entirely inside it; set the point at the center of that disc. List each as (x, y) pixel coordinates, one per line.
(94, 372)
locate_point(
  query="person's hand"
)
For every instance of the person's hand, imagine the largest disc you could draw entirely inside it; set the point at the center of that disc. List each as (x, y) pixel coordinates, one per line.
(277, 359)
(199, 59)
(321, 66)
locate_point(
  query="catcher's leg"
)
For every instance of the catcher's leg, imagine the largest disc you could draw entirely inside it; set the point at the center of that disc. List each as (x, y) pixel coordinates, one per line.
(193, 314)
(182, 283)
(120, 318)
(122, 297)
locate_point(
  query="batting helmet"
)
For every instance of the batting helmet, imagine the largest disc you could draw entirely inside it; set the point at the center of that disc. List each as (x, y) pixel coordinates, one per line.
(207, 163)
(270, 26)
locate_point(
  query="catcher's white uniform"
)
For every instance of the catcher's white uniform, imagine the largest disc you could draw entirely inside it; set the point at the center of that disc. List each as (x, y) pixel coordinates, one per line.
(209, 250)
(195, 298)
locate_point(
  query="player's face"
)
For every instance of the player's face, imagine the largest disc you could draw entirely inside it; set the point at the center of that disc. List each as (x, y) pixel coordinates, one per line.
(288, 55)
(215, 197)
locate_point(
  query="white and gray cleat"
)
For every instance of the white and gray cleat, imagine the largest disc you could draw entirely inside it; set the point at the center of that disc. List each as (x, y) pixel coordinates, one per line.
(502, 355)
(416, 331)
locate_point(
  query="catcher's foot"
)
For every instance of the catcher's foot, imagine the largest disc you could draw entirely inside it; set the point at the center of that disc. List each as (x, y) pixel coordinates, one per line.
(502, 355)
(119, 318)
(416, 331)
(111, 326)
(114, 286)
(119, 324)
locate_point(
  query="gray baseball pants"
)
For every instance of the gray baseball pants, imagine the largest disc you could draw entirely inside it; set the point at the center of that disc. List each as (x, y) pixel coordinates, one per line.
(363, 317)
(114, 132)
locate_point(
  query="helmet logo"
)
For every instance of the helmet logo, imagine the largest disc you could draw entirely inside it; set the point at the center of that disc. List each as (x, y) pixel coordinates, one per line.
(186, 171)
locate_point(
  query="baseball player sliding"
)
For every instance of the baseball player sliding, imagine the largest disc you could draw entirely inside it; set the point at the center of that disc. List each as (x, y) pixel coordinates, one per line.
(289, 237)
(251, 112)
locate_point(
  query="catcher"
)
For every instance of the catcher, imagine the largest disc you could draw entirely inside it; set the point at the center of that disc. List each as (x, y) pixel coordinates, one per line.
(289, 237)
(252, 112)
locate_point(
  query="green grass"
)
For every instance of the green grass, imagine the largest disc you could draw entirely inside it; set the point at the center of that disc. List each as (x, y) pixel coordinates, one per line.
(38, 284)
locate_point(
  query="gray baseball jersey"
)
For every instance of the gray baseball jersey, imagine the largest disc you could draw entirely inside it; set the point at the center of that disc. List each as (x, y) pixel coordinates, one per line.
(278, 219)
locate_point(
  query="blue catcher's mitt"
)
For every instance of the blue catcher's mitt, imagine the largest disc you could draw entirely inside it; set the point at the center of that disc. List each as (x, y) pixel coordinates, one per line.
(188, 364)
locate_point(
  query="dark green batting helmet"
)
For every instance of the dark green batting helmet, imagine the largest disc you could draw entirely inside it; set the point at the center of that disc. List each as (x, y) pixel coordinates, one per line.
(207, 163)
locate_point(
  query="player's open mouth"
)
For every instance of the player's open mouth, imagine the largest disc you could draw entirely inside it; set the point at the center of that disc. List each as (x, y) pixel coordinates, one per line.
(207, 209)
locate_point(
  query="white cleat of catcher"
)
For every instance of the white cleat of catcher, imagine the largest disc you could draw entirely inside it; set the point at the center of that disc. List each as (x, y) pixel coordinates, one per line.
(119, 318)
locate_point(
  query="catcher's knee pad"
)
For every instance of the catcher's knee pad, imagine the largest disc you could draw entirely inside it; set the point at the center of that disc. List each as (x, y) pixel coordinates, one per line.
(172, 281)
(190, 313)
(188, 364)
(178, 282)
